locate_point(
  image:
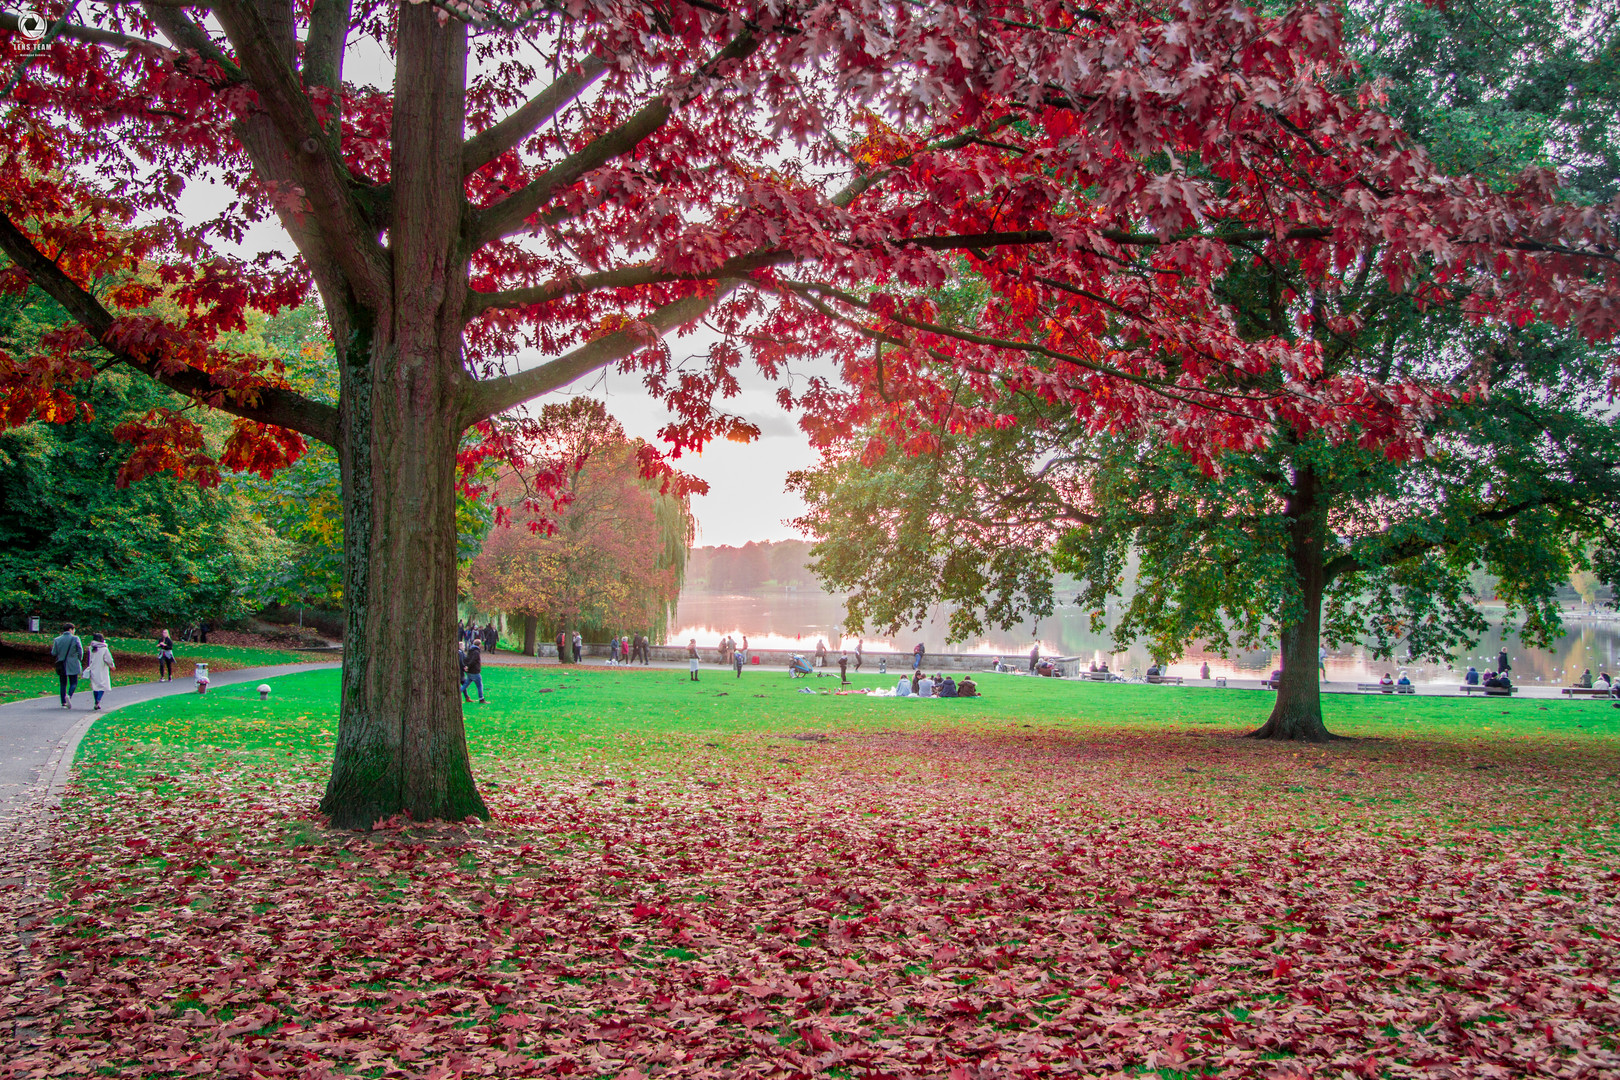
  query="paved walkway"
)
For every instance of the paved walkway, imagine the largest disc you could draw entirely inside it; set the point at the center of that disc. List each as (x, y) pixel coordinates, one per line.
(38, 737)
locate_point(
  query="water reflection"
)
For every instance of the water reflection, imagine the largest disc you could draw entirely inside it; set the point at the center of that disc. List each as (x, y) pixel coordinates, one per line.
(796, 620)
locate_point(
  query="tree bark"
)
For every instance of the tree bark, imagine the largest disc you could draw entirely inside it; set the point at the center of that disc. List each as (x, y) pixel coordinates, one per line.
(531, 625)
(1297, 715)
(401, 742)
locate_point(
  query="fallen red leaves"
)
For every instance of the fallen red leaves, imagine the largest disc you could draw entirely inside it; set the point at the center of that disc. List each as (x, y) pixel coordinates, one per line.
(902, 905)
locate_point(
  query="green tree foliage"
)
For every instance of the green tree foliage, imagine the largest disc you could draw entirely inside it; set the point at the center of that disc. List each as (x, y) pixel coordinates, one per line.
(75, 545)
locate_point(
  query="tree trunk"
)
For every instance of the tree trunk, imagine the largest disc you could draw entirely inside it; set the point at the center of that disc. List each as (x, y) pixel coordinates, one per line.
(1297, 714)
(401, 742)
(531, 624)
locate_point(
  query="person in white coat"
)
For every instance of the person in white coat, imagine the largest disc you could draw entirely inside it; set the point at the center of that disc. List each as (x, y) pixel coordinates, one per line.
(101, 667)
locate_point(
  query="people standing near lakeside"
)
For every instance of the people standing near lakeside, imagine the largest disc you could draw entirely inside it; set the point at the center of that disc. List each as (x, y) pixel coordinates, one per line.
(917, 656)
(1203, 672)
(859, 644)
(692, 657)
(165, 647)
(1034, 656)
(843, 669)
(579, 646)
(562, 647)
(101, 667)
(67, 651)
(472, 672)
(1502, 664)
(821, 653)
(613, 650)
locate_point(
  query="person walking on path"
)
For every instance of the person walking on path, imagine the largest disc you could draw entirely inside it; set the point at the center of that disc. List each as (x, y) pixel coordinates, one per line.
(1034, 656)
(1502, 664)
(472, 672)
(858, 646)
(692, 657)
(843, 669)
(101, 667)
(821, 653)
(579, 646)
(1321, 661)
(165, 645)
(737, 662)
(68, 653)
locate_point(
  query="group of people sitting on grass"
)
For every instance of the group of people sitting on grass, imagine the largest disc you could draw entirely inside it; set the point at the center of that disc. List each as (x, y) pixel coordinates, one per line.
(923, 686)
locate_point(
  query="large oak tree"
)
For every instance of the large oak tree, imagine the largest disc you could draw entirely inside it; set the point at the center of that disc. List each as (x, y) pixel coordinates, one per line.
(579, 179)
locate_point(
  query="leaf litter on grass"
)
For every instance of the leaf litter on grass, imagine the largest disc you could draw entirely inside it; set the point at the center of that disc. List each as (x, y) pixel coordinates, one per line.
(926, 900)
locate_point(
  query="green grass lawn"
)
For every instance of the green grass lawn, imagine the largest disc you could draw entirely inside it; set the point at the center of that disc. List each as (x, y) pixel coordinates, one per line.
(731, 877)
(26, 671)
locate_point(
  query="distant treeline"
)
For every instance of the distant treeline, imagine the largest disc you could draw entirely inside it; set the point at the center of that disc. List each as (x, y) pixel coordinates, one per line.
(755, 565)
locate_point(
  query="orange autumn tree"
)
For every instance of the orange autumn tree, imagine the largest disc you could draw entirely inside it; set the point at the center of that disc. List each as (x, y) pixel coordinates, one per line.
(604, 551)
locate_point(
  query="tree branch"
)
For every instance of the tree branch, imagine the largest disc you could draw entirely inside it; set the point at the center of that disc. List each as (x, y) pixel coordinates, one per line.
(497, 395)
(508, 215)
(1418, 545)
(268, 405)
(492, 142)
(328, 184)
(624, 277)
(323, 55)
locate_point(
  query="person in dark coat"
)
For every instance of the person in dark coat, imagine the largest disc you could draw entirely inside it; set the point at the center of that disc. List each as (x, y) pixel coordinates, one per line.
(843, 669)
(472, 672)
(948, 687)
(1034, 656)
(67, 652)
(967, 687)
(165, 647)
(562, 647)
(1502, 664)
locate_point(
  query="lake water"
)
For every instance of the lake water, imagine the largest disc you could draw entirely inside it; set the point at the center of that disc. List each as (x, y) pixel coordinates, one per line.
(797, 620)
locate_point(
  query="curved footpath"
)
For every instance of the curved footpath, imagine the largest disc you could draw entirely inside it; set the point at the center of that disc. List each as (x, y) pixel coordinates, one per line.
(38, 737)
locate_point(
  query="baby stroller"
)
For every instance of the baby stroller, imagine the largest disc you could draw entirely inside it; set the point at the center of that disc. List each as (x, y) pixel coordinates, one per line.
(798, 667)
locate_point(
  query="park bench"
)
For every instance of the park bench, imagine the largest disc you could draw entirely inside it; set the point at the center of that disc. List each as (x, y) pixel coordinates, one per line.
(1586, 691)
(1097, 676)
(1171, 680)
(1489, 691)
(1393, 688)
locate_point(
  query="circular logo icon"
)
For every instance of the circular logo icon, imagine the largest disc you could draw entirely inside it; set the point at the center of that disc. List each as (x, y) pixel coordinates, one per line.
(31, 24)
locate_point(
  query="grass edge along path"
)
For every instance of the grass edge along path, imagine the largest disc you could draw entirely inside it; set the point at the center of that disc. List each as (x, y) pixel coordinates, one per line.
(26, 670)
(732, 877)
